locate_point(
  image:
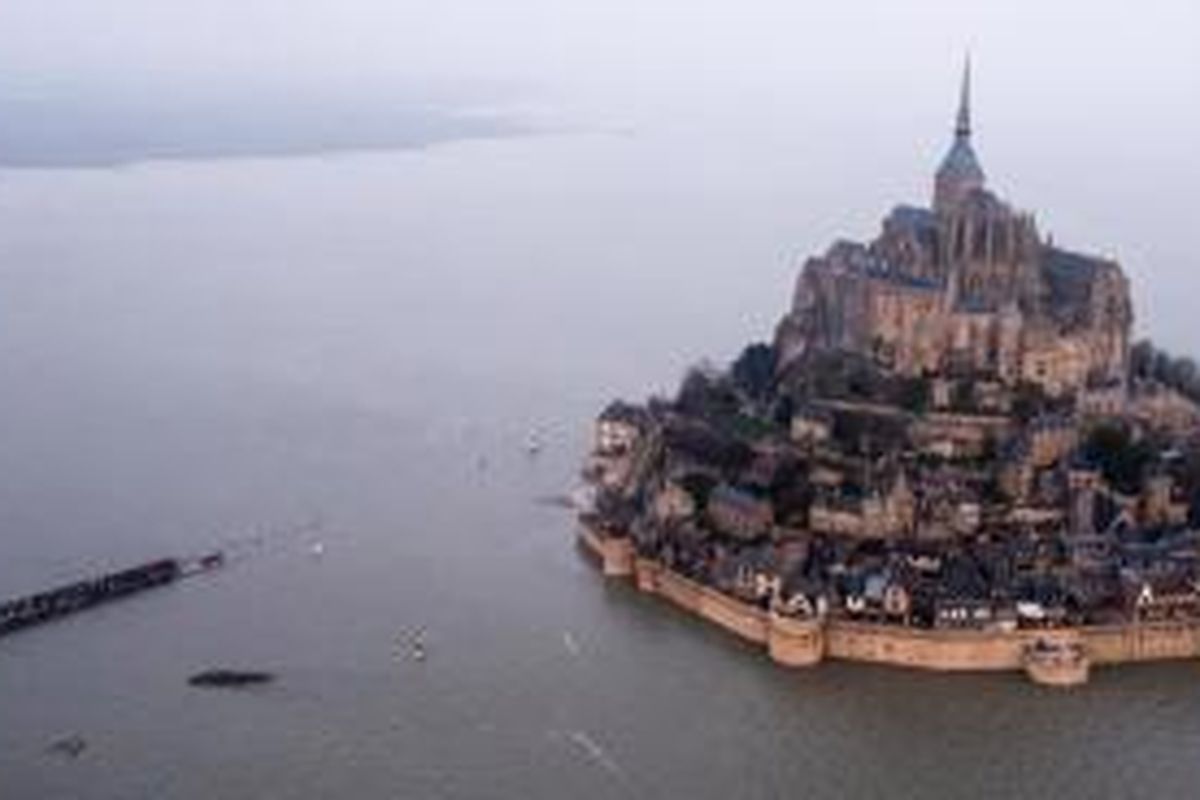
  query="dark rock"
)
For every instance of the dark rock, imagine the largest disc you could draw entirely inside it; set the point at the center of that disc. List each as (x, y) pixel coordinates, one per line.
(69, 747)
(229, 678)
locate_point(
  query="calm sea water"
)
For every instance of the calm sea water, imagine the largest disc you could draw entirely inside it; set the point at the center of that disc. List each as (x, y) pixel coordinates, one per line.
(264, 355)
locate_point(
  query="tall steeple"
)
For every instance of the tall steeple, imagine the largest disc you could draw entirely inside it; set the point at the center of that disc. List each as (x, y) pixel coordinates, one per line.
(959, 173)
(963, 128)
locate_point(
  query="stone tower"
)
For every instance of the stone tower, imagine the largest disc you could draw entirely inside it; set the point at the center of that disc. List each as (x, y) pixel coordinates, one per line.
(988, 251)
(959, 173)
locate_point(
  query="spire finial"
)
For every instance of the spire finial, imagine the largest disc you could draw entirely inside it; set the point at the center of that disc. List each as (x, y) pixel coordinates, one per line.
(963, 127)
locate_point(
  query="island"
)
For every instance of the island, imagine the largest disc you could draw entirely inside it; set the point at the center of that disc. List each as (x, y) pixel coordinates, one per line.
(949, 456)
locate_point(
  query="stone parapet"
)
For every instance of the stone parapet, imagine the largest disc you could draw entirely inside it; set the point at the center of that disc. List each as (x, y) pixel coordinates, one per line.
(795, 642)
(615, 554)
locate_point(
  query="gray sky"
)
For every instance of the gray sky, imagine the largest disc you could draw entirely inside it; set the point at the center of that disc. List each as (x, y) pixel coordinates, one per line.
(1092, 69)
(1087, 47)
(1086, 110)
(1100, 65)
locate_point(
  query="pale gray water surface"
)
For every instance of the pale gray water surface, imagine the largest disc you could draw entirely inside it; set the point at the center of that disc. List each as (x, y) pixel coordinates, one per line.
(352, 350)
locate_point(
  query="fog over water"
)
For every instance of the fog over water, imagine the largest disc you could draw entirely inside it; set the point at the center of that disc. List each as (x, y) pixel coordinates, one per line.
(503, 215)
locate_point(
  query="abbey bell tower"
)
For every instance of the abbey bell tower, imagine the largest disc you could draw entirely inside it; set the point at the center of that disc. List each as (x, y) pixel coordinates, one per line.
(959, 173)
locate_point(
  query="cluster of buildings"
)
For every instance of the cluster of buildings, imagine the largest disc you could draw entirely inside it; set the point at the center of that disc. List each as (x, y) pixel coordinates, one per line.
(1030, 534)
(1033, 485)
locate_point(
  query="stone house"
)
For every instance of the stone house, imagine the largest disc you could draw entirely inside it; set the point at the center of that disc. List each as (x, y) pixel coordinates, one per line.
(941, 393)
(1016, 472)
(1058, 365)
(673, 503)
(801, 596)
(619, 427)
(1160, 407)
(1083, 483)
(992, 397)
(1167, 596)
(968, 517)
(962, 612)
(1160, 504)
(897, 600)
(768, 463)
(954, 436)
(1051, 438)
(737, 513)
(1110, 400)
(811, 425)
(824, 475)
(618, 430)
(749, 573)
(869, 515)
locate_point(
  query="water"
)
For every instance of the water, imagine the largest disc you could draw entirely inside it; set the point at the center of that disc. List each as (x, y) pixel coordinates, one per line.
(265, 355)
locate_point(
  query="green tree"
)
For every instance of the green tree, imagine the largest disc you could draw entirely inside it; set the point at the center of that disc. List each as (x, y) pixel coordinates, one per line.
(754, 371)
(705, 396)
(1121, 459)
(1141, 359)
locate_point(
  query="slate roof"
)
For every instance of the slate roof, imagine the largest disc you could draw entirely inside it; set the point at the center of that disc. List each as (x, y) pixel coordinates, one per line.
(961, 164)
(620, 411)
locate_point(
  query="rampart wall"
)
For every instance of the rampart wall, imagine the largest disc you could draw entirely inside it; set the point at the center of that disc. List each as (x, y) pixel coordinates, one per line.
(805, 642)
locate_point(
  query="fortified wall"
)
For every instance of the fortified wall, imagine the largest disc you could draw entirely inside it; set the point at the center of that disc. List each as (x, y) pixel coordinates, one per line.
(805, 642)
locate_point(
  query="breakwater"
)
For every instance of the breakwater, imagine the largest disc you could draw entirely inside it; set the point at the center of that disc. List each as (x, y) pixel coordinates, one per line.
(35, 609)
(1052, 656)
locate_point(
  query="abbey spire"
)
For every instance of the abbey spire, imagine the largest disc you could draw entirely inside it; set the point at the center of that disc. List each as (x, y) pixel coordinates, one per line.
(959, 173)
(963, 127)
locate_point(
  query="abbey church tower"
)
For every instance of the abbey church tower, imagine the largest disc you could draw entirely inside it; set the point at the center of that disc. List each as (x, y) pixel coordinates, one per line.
(989, 252)
(959, 173)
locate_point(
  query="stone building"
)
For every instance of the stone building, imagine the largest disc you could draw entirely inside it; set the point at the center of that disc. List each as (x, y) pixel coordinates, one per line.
(811, 425)
(672, 503)
(618, 432)
(887, 510)
(618, 428)
(1051, 437)
(738, 513)
(1160, 504)
(965, 287)
(1083, 482)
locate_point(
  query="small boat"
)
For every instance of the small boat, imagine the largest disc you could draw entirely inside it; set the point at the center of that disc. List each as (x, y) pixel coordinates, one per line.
(414, 643)
(200, 564)
(212, 561)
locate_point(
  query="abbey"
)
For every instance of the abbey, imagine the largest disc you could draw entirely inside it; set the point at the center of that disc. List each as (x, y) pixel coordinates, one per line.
(950, 458)
(965, 288)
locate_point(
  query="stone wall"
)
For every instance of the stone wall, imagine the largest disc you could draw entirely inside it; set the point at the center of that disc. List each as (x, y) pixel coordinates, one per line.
(926, 649)
(614, 554)
(798, 642)
(738, 618)
(1142, 642)
(795, 642)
